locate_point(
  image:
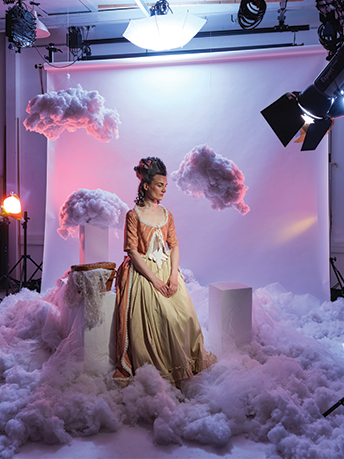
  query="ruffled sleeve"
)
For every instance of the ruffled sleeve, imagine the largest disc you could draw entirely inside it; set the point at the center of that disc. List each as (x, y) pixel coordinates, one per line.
(130, 231)
(171, 239)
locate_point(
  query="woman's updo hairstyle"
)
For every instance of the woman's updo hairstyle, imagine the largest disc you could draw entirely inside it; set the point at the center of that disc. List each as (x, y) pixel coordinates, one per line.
(147, 169)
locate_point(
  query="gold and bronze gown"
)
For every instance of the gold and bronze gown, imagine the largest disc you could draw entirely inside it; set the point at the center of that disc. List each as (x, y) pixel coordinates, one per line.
(150, 328)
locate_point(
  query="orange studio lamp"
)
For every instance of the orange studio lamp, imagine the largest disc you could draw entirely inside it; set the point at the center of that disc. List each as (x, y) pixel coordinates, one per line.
(11, 207)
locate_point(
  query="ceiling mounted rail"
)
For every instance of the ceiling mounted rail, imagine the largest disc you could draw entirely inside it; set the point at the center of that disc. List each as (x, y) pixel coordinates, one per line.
(210, 34)
(192, 51)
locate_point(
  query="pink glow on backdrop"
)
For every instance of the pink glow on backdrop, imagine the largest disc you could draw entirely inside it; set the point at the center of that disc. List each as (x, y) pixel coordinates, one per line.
(166, 109)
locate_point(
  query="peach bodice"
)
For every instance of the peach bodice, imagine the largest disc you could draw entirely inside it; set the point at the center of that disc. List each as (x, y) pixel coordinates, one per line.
(149, 239)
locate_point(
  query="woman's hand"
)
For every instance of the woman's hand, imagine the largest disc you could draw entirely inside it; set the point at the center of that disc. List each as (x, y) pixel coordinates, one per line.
(161, 287)
(142, 268)
(172, 284)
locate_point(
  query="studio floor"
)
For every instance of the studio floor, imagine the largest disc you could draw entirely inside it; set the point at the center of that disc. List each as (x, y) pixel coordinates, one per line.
(137, 443)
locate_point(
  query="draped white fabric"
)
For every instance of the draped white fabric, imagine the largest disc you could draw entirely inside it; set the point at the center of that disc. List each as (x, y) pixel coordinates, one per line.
(169, 105)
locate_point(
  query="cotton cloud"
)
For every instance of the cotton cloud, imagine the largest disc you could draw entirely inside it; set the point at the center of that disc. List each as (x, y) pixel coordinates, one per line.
(274, 391)
(53, 112)
(205, 173)
(95, 207)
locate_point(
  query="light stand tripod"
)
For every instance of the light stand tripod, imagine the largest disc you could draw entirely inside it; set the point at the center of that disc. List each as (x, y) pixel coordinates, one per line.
(9, 282)
(336, 292)
(335, 406)
(24, 282)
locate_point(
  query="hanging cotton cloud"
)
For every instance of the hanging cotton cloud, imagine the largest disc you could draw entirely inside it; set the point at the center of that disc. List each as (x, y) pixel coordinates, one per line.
(73, 108)
(94, 207)
(274, 391)
(205, 173)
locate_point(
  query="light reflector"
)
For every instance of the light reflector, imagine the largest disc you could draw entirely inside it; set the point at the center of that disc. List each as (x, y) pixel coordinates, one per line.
(163, 32)
(41, 30)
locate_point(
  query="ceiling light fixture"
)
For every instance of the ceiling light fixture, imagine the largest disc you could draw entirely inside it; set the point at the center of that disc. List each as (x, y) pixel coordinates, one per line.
(160, 31)
(322, 101)
(20, 26)
(330, 36)
(330, 31)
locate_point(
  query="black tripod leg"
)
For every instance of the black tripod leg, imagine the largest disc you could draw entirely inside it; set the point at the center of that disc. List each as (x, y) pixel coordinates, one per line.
(339, 277)
(14, 267)
(34, 273)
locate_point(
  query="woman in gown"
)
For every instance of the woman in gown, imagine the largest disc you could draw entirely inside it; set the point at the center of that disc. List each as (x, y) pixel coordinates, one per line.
(155, 320)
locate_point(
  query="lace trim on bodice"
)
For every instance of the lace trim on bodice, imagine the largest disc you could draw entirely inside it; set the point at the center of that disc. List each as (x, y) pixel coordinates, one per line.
(152, 224)
(156, 251)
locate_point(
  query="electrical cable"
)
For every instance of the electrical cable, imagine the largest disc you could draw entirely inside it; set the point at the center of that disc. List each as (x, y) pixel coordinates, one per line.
(251, 13)
(52, 65)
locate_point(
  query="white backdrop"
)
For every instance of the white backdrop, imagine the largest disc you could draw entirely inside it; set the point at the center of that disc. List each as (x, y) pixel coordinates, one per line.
(168, 106)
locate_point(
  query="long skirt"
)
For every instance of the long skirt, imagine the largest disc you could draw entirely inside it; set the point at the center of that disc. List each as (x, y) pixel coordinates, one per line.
(165, 332)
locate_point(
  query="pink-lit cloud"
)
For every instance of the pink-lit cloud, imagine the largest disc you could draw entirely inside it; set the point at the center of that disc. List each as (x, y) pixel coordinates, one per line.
(94, 207)
(206, 173)
(51, 113)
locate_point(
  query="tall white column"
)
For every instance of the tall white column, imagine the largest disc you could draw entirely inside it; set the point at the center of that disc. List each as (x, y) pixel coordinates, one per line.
(94, 244)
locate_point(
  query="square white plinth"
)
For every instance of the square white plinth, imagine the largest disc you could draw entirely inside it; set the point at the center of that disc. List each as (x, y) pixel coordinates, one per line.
(230, 315)
(79, 342)
(97, 340)
(93, 244)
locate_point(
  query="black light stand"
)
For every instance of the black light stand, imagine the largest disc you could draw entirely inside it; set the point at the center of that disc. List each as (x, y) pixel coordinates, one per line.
(335, 291)
(336, 405)
(24, 282)
(9, 282)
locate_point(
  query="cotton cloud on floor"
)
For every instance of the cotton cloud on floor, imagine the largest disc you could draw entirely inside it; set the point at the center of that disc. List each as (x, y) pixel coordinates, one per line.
(206, 173)
(94, 207)
(274, 390)
(53, 112)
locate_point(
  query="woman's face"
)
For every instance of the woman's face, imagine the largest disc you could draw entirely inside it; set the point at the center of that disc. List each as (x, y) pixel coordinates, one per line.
(156, 189)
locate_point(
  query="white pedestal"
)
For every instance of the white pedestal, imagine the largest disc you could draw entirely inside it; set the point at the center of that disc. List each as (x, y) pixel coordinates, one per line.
(81, 344)
(93, 244)
(230, 315)
(97, 340)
